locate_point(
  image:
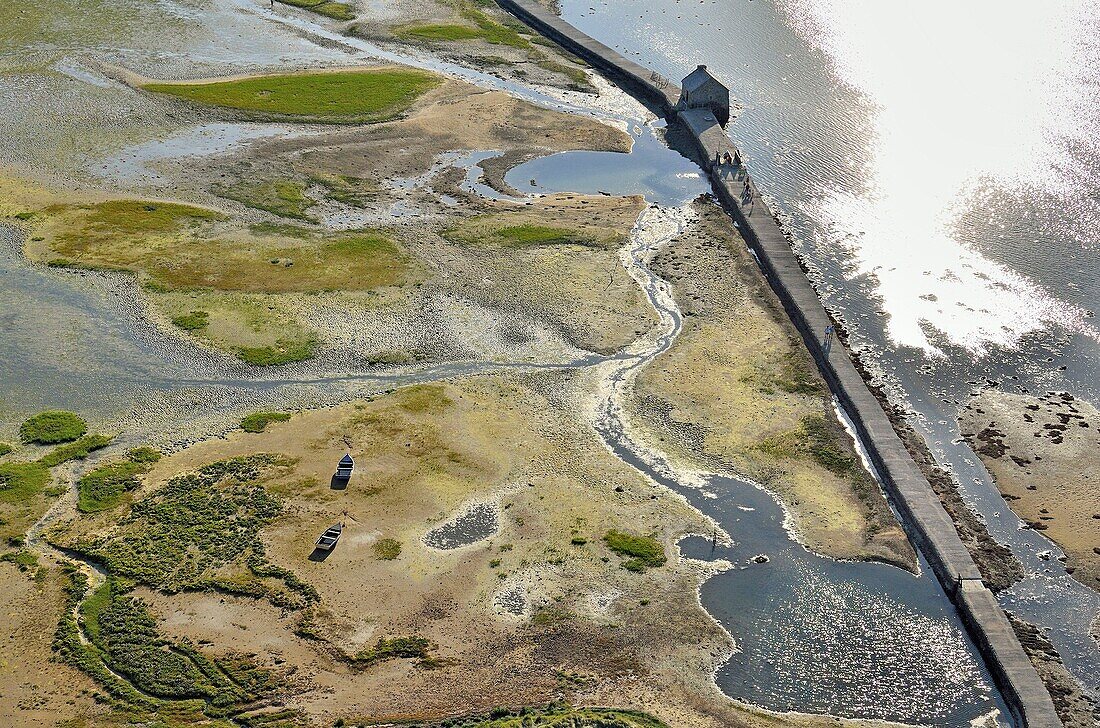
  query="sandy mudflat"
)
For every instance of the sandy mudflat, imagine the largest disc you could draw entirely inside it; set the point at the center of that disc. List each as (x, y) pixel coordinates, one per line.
(1044, 453)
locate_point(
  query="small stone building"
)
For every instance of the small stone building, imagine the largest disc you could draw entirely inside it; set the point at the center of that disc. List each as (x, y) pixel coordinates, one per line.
(701, 90)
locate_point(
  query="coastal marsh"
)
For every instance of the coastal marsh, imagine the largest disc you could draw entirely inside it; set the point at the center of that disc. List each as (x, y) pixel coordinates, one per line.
(738, 391)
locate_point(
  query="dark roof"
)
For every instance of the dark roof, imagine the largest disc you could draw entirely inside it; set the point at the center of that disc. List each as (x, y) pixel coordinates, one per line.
(697, 78)
(346, 460)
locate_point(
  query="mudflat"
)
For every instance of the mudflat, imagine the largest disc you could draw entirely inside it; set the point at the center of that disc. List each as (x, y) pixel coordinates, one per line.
(1044, 454)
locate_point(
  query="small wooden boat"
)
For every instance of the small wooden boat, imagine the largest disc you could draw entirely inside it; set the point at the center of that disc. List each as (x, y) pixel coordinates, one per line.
(345, 467)
(328, 539)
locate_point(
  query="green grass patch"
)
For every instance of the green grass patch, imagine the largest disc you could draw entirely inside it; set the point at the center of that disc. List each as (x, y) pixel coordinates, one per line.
(5, 448)
(23, 559)
(19, 482)
(364, 96)
(392, 649)
(421, 398)
(258, 421)
(143, 454)
(77, 450)
(105, 487)
(282, 352)
(797, 375)
(328, 8)
(193, 321)
(480, 27)
(285, 198)
(52, 427)
(386, 549)
(489, 230)
(640, 551)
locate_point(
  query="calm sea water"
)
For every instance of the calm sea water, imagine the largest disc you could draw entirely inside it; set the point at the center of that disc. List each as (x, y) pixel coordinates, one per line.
(939, 166)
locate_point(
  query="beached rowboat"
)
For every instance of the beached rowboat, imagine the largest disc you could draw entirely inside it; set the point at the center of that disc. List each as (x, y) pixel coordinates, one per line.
(328, 539)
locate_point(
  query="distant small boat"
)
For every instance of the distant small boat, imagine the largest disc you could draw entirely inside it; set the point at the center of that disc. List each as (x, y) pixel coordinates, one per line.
(344, 467)
(328, 539)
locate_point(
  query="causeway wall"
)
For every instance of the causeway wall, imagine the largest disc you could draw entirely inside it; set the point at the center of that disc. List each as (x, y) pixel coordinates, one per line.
(923, 516)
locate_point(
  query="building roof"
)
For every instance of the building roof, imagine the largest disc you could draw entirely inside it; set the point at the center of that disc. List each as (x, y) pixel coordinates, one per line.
(346, 460)
(697, 78)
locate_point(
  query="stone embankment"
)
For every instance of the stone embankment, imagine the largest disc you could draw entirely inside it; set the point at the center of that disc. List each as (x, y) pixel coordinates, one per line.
(923, 515)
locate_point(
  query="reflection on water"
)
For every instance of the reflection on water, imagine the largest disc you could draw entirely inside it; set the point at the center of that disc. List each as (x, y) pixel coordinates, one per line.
(938, 164)
(650, 169)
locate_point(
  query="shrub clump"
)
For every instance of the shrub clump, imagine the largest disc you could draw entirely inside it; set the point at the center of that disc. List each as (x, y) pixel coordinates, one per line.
(52, 427)
(386, 549)
(640, 551)
(258, 421)
(5, 448)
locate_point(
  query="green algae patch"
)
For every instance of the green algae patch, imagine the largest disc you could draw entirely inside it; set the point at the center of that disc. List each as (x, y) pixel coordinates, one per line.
(346, 97)
(640, 551)
(258, 421)
(52, 427)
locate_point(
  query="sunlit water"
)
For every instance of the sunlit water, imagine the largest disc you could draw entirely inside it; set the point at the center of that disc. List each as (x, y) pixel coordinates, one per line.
(938, 164)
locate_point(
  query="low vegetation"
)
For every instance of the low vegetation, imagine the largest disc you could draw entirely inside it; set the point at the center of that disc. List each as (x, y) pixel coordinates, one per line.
(150, 679)
(386, 549)
(476, 25)
(391, 649)
(282, 351)
(50, 428)
(526, 235)
(193, 321)
(328, 8)
(107, 486)
(5, 448)
(640, 552)
(201, 530)
(346, 97)
(285, 198)
(221, 283)
(258, 421)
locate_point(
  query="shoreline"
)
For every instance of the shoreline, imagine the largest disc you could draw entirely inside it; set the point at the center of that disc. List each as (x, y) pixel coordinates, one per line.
(922, 512)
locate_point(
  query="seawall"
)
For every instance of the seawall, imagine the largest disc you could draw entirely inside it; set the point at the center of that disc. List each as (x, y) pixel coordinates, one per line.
(923, 516)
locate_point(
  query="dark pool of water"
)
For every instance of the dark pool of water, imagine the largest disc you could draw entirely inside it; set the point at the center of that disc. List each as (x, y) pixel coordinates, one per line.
(476, 523)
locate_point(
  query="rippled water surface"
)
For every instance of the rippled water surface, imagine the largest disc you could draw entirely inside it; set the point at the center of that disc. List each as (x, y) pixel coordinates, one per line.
(939, 166)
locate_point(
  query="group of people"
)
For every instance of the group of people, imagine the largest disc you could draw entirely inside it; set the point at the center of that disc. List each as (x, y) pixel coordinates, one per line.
(726, 159)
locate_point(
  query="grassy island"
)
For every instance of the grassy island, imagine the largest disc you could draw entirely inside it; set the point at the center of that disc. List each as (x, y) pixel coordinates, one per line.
(347, 97)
